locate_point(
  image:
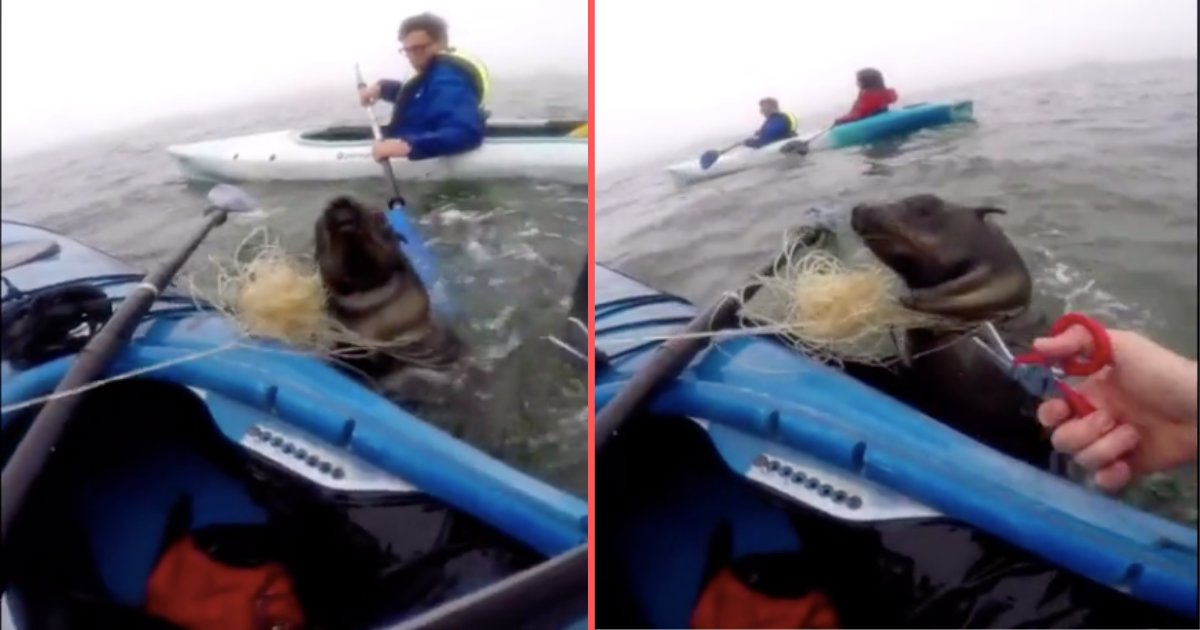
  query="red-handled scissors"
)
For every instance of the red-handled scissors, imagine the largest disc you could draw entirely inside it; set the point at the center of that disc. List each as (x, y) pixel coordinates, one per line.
(1043, 378)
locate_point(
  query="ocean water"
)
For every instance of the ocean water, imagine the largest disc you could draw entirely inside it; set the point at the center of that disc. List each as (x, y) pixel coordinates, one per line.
(1096, 166)
(510, 251)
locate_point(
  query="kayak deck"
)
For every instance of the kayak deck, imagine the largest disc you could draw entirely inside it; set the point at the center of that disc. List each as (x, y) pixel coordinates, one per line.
(109, 503)
(338, 456)
(759, 401)
(360, 134)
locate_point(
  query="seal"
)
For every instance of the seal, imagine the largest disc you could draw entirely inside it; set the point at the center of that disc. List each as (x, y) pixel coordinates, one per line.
(376, 293)
(958, 264)
(955, 262)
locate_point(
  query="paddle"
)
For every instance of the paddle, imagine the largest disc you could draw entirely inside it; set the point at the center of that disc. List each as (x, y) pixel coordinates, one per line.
(34, 450)
(397, 198)
(710, 157)
(800, 147)
(676, 353)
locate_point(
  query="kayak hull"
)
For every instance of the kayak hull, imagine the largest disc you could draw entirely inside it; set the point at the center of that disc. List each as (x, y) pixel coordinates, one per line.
(766, 409)
(293, 411)
(515, 149)
(889, 124)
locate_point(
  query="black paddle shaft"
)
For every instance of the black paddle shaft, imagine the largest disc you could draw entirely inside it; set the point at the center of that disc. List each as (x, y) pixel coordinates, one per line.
(32, 453)
(673, 356)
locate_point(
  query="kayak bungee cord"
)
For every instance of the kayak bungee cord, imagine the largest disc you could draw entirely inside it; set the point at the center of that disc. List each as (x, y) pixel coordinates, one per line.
(57, 395)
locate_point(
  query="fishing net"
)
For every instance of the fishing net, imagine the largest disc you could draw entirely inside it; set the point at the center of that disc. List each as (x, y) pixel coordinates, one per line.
(270, 294)
(837, 307)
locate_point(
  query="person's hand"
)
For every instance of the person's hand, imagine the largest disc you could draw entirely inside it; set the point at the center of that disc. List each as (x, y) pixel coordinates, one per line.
(385, 149)
(1145, 418)
(369, 94)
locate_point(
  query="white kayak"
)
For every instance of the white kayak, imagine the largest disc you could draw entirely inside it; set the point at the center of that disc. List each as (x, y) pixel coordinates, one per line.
(534, 149)
(735, 160)
(890, 124)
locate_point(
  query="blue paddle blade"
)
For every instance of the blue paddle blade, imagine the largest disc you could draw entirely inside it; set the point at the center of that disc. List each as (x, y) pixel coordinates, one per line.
(708, 158)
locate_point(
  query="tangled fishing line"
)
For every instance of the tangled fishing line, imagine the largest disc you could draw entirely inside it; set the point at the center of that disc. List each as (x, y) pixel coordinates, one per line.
(836, 310)
(270, 294)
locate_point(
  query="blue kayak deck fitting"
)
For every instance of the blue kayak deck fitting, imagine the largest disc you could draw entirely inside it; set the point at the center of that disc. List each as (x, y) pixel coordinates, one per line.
(759, 398)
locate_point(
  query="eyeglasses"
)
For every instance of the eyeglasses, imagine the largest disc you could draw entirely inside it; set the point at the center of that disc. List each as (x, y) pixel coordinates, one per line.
(415, 49)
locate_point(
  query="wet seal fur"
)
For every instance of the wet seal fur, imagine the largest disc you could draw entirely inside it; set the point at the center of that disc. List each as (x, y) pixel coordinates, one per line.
(375, 291)
(958, 264)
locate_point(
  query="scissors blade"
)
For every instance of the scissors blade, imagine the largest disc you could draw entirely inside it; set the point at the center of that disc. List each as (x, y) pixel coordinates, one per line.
(1038, 380)
(997, 344)
(1001, 361)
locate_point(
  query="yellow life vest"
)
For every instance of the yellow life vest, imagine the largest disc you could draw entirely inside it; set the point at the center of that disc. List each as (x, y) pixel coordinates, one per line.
(792, 122)
(474, 67)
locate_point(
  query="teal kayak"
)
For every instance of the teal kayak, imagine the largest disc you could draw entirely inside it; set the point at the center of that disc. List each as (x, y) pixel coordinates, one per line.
(757, 453)
(383, 517)
(894, 123)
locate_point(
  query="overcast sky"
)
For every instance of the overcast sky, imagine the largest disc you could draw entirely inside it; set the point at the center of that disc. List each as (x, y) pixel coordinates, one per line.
(80, 66)
(667, 73)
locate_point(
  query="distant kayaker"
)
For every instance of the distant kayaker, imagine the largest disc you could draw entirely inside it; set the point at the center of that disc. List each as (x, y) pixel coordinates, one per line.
(874, 97)
(776, 126)
(440, 111)
(1145, 418)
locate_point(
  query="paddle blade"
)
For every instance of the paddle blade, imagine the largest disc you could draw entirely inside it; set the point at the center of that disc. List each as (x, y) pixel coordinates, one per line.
(358, 77)
(231, 199)
(708, 158)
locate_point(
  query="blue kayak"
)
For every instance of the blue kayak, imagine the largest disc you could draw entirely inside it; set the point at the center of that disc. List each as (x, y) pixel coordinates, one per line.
(759, 451)
(407, 518)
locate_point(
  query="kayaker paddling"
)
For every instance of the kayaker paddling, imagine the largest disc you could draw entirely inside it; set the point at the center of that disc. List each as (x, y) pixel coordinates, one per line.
(880, 126)
(438, 112)
(777, 125)
(874, 97)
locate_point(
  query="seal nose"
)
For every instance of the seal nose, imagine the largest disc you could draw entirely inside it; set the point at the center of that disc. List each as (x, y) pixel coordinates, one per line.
(342, 217)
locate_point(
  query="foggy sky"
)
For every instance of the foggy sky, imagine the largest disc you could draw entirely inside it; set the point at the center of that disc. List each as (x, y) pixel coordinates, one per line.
(712, 62)
(71, 68)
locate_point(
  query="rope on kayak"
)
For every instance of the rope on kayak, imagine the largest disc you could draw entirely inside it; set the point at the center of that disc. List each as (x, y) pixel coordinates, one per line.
(33, 402)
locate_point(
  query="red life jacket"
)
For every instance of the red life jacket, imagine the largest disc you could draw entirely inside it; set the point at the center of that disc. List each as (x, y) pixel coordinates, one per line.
(728, 602)
(869, 103)
(761, 590)
(193, 590)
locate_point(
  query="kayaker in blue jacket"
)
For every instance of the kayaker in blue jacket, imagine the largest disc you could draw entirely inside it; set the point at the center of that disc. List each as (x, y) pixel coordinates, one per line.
(440, 111)
(776, 126)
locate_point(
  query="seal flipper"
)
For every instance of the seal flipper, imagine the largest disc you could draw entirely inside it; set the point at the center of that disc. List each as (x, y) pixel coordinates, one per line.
(978, 294)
